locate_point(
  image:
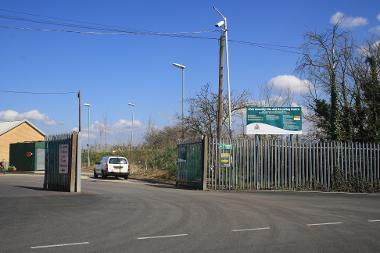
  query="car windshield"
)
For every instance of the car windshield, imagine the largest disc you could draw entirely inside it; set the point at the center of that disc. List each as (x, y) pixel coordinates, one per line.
(118, 161)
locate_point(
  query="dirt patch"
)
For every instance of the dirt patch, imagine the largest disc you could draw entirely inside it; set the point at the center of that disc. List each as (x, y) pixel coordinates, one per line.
(137, 172)
(158, 175)
(86, 169)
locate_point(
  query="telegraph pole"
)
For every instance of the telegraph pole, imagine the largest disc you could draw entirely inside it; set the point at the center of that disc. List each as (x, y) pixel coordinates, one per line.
(220, 94)
(223, 25)
(80, 112)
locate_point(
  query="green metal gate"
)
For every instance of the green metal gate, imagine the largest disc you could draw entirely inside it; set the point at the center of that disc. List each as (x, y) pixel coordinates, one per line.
(190, 163)
(61, 162)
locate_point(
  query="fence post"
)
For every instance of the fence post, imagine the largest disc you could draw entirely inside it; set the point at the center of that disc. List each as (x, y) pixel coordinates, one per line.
(378, 166)
(205, 162)
(74, 145)
(46, 163)
(78, 182)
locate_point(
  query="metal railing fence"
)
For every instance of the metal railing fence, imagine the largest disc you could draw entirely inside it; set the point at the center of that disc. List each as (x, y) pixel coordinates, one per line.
(281, 164)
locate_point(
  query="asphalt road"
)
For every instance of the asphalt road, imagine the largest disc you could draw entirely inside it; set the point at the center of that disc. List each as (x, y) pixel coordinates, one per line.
(131, 216)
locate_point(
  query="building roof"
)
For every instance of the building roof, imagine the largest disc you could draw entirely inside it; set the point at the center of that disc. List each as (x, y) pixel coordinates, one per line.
(9, 125)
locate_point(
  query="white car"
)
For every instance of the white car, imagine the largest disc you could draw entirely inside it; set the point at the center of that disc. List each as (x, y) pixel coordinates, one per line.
(112, 166)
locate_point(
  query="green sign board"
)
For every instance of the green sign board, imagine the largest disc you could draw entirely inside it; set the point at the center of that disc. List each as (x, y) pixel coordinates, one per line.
(273, 120)
(225, 146)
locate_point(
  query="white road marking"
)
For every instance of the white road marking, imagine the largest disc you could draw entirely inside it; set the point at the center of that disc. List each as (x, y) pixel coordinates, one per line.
(326, 223)
(250, 229)
(160, 236)
(59, 245)
(373, 220)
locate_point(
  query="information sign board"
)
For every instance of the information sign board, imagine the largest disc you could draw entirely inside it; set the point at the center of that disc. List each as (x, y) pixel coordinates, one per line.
(63, 151)
(273, 120)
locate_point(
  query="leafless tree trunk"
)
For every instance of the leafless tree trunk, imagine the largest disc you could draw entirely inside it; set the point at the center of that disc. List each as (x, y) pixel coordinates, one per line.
(325, 63)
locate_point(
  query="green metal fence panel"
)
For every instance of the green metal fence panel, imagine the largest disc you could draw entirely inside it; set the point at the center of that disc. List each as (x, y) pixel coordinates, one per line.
(20, 155)
(26, 156)
(190, 156)
(39, 154)
(58, 162)
(40, 159)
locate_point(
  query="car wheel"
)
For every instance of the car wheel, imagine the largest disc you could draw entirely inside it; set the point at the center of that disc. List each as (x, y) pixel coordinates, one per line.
(95, 174)
(126, 177)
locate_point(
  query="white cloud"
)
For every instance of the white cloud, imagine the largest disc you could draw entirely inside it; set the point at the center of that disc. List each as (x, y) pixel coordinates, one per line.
(375, 29)
(293, 83)
(115, 132)
(123, 124)
(347, 21)
(101, 126)
(378, 17)
(99, 130)
(33, 115)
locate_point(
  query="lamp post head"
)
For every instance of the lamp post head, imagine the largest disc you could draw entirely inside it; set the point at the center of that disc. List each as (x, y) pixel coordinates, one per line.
(220, 24)
(220, 13)
(131, 104)
(87, 104)
(177, 65)
(223, 23)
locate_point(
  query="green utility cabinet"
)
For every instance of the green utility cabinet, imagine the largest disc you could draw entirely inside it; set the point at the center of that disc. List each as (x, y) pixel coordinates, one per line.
(27, 156)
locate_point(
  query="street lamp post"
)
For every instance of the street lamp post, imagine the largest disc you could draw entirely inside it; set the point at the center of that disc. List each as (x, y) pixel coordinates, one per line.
(182, 67)
(223, 26)
(132, 105)
(88, 134)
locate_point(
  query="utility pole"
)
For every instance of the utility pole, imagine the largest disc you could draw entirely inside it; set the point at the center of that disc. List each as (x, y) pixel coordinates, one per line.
(133, 118)
(88, 134)
(132, 105)
(220, 94)
(228, 79)
(223, 25)
(182, 67)
(80, 112)
(183, 80)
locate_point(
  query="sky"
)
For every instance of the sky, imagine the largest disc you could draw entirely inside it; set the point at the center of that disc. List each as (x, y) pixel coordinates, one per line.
(111, 70)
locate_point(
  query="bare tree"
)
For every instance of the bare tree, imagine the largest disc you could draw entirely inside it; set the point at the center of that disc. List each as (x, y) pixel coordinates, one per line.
(365, 71)
(202, 112)
(325, 63)
(162, 138)
(270, 97)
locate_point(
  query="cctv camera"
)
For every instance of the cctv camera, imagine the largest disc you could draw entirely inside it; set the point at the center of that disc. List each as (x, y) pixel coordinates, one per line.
(220, 24)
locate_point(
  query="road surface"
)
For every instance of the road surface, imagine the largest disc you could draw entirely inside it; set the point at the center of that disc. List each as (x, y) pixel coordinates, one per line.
(132, 216)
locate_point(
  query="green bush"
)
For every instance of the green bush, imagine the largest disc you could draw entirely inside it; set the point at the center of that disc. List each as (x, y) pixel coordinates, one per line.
(339, 182)
(353, 183)
(164, 159)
